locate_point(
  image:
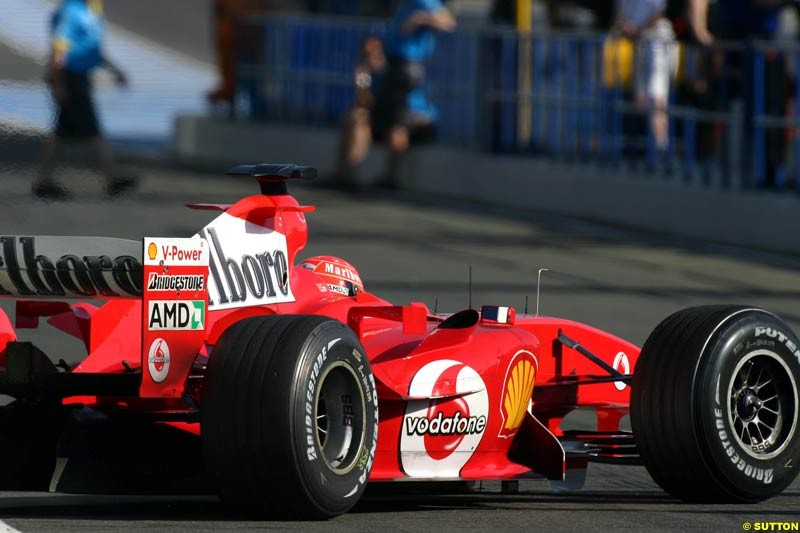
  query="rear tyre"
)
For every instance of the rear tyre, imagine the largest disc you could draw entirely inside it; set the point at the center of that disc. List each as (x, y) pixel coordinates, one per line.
(715, 406)
(289, 416)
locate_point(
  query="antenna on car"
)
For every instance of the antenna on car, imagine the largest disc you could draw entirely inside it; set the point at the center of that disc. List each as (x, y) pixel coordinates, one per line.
(436, 306)
(470, 286)
(538, 285)
(526, 305)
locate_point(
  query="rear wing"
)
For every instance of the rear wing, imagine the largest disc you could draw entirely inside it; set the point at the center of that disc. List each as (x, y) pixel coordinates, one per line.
(272, 176)
(70, 267)
(163, 321)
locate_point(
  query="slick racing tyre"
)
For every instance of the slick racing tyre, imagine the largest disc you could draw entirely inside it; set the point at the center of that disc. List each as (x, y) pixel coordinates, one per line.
(289, 416)
(714, 404)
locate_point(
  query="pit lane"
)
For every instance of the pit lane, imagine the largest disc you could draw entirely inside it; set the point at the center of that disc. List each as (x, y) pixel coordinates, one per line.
(409, 248)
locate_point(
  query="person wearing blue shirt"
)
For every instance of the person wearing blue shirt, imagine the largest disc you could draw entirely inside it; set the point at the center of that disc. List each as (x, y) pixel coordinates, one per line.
(410, 36)
(76, 32)
(409, 42)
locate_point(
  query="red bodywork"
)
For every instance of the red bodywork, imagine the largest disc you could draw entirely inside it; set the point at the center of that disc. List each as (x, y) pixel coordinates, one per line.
(457, 395)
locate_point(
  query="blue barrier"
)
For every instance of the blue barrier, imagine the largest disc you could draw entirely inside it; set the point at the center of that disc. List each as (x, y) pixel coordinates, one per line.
(731, 134)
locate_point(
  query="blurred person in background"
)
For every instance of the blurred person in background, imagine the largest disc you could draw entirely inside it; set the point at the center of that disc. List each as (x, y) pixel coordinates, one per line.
(225, 13)
(643, 21)
(698, 21)
(76, 31)
(358, 127)
(580, 14)
(356, 135)
(697, 82)
(746, 20)
(690, 20)
(409, 43)
(224, 42)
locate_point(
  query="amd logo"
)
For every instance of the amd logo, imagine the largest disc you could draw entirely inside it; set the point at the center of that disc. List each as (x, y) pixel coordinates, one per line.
(175, 315)
(240, 277)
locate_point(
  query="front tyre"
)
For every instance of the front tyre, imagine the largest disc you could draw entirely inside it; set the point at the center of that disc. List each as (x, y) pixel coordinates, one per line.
(290, 416)
(715, 404)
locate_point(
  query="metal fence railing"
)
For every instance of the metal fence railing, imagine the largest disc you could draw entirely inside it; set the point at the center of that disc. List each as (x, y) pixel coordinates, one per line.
(732, 113)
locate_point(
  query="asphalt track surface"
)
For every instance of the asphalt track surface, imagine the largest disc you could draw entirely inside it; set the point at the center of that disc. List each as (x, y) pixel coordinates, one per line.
(182, 25)
(410, 248)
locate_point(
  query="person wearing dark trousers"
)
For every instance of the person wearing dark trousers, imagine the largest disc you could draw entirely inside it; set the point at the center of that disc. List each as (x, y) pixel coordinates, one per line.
(746, 21)
(356, 130)
(230, 40)
(409, 43)
(691, 23)
(76, 29)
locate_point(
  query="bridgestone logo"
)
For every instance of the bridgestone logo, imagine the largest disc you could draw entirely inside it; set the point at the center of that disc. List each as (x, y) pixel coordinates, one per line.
(439, 425)
(160, 282)
(319, 361)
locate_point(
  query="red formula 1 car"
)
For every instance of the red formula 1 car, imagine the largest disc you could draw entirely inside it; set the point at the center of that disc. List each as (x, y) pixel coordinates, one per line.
(221, 362)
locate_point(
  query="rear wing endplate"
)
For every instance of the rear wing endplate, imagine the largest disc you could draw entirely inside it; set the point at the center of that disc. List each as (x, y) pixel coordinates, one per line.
(174, 311)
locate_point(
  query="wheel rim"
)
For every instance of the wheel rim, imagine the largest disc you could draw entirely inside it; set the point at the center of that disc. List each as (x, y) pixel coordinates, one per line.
(762, 404)
(339, 417)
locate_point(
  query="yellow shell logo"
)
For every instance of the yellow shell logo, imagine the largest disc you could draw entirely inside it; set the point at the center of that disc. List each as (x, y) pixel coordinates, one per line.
(518, 390)
(152, 250)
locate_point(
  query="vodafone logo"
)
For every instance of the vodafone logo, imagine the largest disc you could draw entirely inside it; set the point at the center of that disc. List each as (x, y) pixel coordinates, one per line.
(158, 360)
(439, 435)
(622, 365)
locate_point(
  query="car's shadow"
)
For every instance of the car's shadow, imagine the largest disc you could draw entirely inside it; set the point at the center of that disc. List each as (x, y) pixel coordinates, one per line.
(381, 503)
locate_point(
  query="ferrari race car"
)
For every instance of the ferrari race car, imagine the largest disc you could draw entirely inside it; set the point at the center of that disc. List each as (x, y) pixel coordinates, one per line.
(222, 362)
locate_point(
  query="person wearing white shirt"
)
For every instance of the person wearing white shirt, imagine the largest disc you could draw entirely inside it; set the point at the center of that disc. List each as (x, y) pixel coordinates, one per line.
(644, 22)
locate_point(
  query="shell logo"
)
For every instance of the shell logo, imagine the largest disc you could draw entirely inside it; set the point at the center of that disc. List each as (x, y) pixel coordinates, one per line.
(152, 250)
(517, 391)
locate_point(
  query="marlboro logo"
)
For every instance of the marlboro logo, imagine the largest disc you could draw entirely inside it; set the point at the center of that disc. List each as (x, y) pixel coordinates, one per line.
(248, 264)
(64, 267)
